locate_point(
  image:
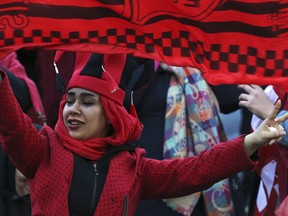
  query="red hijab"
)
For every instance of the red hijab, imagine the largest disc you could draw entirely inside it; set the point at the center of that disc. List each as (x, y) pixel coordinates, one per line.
(126, 127)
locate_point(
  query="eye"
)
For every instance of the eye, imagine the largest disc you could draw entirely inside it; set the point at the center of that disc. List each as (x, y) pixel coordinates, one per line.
(69, 102)
(88, 103)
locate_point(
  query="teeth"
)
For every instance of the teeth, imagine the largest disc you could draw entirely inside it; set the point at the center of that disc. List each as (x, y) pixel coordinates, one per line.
(75, 122)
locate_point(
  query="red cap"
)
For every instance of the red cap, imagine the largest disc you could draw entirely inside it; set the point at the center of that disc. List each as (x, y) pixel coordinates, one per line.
(91, 73)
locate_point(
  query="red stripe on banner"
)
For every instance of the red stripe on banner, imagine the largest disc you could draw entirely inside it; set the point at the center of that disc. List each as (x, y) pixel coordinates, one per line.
(230, 41)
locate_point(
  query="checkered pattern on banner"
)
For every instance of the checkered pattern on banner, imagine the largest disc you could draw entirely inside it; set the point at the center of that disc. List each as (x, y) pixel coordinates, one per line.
(217, 55)
(130, 39)
(250, 61)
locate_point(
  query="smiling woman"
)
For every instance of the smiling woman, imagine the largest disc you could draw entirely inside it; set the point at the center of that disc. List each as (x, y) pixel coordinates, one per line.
(90, 165)
(83, 108)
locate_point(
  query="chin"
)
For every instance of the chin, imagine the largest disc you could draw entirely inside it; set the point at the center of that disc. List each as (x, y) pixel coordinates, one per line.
(75, 136)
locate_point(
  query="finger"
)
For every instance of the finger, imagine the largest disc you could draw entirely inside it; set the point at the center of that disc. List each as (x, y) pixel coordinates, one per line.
(275, 110)
(244, 97)
(272, 142)
(275, 140)
(279, 139)
(279, 128)
(256, 87)
(282, 118)
(243, 103)
(275, 136)
(246, 88)
(241, 86)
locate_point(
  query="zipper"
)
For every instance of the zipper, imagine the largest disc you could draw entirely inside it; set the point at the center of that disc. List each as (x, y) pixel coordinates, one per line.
(126, 202)
(94, 188)
(95, 169)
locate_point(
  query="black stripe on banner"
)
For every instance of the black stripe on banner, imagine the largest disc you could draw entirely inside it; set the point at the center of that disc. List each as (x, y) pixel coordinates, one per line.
(75, 12)
(251, 8)
(220, 27)
(70, 12)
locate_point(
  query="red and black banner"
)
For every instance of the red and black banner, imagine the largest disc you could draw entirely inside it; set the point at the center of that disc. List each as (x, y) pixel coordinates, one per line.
(231, 41)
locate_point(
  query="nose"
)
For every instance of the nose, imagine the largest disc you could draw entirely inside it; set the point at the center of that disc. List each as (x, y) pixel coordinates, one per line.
(75, 109)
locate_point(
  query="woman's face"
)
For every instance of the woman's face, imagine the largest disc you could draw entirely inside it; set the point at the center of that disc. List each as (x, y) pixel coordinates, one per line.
(83, 115)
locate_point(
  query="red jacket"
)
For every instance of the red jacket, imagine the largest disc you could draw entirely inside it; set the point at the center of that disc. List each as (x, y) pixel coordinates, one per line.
(49, 167)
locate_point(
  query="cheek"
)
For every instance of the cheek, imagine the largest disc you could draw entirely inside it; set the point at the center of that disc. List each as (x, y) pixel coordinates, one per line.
(103, 120)
(101, 117)
(65, 111)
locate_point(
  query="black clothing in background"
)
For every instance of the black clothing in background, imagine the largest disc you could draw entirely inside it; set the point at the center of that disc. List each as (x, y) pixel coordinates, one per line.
(20, 90)
(227, 96)
(10, 203)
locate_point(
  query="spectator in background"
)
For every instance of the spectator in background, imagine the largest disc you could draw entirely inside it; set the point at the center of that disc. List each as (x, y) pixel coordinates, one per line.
(246, 183)
(13, 65)
(167, 95)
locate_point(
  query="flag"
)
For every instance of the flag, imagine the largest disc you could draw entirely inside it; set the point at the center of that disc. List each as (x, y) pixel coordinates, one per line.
(268, 191)
(239, 41)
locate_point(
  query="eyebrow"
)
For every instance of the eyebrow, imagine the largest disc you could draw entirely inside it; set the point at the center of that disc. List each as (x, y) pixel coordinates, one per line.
(84, 94)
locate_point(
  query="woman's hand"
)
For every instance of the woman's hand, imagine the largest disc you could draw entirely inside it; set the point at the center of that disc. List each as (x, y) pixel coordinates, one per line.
(256, 101)
(269, 132)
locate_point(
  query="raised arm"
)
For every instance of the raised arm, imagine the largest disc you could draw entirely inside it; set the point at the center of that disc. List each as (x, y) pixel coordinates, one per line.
(19, 139)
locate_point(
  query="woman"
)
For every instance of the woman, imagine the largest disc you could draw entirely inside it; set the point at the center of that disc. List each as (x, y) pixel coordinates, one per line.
(89, 165)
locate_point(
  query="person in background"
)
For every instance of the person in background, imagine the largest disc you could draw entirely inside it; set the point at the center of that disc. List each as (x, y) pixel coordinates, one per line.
(88, 165)
(50, 92)
(244, 185)
(36, 111)
(180, 115)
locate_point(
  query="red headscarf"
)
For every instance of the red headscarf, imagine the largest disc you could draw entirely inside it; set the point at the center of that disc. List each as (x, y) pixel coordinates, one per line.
(126, 127)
